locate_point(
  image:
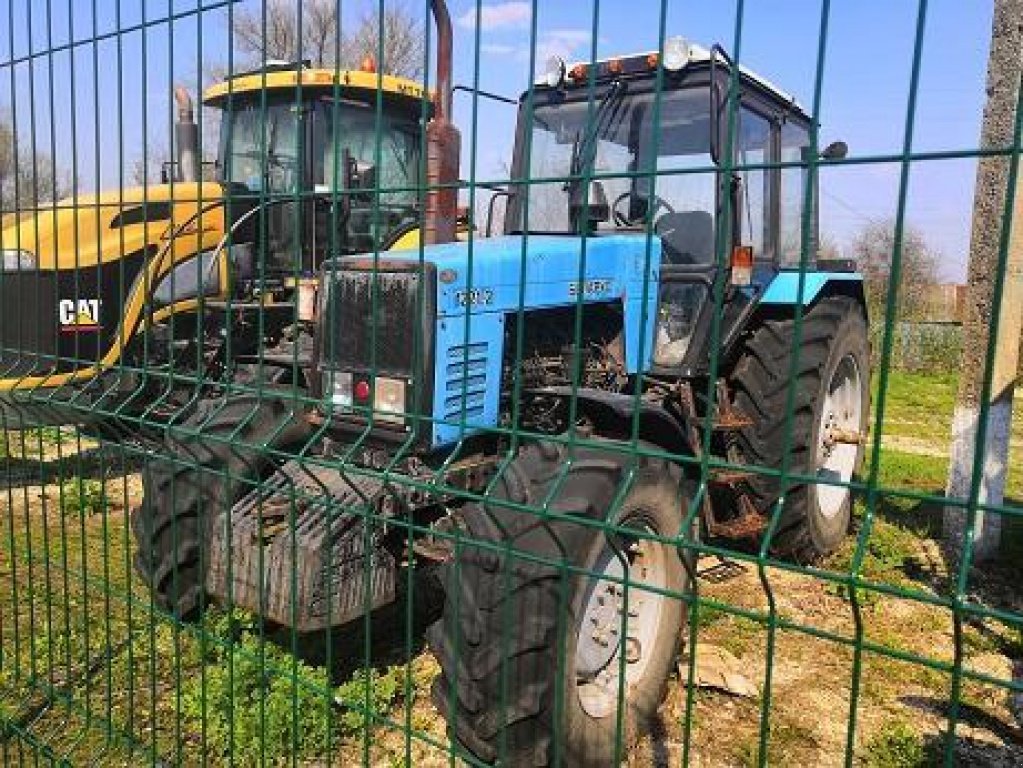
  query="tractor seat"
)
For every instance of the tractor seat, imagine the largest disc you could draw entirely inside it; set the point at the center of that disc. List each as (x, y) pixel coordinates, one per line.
(687, 237)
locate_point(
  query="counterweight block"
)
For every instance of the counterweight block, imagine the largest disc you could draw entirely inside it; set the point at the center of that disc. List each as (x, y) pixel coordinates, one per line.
(302, 549)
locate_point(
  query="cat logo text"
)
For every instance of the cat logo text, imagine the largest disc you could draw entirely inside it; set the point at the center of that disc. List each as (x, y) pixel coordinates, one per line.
(78, 316)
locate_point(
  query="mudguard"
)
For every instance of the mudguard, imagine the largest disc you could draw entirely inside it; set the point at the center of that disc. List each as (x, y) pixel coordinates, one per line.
(613, 412)
(785, 290)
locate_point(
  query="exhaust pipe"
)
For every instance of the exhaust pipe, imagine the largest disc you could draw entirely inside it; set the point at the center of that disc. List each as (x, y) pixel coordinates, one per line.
(443, 143)
(186, 133)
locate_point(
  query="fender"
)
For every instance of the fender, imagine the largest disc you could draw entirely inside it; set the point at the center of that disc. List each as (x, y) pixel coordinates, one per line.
(783, 290)
(613, 413)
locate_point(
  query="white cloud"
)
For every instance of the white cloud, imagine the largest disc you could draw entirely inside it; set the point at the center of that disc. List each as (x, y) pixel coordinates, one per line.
(561, 42)
(498, 49)
(498, 15)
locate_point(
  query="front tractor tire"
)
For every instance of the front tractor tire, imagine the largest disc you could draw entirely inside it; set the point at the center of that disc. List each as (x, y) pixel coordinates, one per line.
(831, 407)
(536, 624)
(214, 457)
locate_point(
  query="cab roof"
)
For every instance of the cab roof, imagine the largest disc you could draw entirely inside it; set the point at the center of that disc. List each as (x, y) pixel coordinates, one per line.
(396, 89)
(635, 63)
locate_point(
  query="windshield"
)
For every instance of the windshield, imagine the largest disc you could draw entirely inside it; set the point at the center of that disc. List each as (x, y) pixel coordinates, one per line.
(351, 134)
(260, 146)
(329, 147)
(621, 141)
(354, 127)
(252, 132)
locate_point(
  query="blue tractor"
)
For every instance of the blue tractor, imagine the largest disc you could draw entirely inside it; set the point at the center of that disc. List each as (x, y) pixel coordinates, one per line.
(647, 291)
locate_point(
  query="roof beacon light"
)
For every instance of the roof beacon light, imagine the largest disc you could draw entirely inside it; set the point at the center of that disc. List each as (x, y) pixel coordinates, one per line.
(555, 72)
(676, 53)
(579, 73)
(369, 64)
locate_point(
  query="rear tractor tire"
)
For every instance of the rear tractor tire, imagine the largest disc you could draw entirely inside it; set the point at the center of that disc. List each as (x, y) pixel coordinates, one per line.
(201, 475)
(831, 410)
(545, 658)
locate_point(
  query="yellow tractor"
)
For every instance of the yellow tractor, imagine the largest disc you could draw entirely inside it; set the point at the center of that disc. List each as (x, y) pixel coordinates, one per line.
(118, 305)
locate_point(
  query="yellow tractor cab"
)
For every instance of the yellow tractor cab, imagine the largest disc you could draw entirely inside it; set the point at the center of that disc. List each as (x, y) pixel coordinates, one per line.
(101, 296)
(324, 141)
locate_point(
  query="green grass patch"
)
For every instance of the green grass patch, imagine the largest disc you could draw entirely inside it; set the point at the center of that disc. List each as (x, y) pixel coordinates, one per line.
(902, 470)
(790, 743)
(913, 394)
(83, 497)
(899, 521)
(921, 405)
(897, 745)
(735, 633)
(257, 703)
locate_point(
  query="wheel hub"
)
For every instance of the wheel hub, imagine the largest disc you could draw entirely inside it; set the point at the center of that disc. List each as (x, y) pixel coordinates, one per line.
(839, 435)
(619, 623)
(600, 635)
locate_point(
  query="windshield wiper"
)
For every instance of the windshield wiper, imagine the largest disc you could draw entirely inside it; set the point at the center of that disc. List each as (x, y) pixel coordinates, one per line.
(584, 153)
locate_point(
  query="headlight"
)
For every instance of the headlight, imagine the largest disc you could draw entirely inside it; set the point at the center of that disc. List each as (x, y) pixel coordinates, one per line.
(389, 398)
(676, 321)
(676, 53)
(17, 261)
(199, 275)
(341, 389)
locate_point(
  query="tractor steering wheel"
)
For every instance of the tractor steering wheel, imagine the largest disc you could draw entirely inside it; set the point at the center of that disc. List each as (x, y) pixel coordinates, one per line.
(655, 203)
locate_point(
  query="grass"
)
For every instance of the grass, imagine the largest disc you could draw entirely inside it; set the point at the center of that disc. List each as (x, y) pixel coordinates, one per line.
(790, 743)
(36, 441)
(912, 399)
(919, 408)
(82, 496)
(897, 745)
(185, 695)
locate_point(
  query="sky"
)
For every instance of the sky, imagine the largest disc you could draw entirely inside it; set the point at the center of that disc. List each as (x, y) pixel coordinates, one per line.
(135, 50)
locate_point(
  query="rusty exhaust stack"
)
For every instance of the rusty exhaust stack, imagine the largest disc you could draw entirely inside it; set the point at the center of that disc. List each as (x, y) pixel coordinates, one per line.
(443, 143)
(186, 132)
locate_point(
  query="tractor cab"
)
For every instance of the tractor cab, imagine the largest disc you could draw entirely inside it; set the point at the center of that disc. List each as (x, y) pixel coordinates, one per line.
(652, 137)
(311, 147)
(664, 144)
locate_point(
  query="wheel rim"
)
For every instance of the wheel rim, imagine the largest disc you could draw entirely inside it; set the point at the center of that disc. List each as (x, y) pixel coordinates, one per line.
(841, 419)
(605, 632)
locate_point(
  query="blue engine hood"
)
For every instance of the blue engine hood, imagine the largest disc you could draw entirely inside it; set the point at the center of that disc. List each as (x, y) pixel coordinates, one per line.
(616, 266)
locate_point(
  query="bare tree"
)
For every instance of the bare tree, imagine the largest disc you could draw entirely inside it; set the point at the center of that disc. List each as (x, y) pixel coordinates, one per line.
(316, 37)
(828, 249)
(874, 249)
(272, 31)
(403, 42)
(146, 169)
(26, 180)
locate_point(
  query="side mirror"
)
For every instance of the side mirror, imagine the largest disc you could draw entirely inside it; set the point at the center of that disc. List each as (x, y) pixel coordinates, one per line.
(503, 193)
(596, 210)
(836, 150)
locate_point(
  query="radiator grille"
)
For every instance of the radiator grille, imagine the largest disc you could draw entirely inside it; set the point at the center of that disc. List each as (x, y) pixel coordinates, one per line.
(466, 384)
(358, 326)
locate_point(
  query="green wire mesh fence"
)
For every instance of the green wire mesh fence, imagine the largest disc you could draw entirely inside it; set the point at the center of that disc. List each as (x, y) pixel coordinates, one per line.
(327, 439)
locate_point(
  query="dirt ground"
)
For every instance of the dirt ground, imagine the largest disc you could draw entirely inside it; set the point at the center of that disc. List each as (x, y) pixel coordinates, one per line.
(783, 640)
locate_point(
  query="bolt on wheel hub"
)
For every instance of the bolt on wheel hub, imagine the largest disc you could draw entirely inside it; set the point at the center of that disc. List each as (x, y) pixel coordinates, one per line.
(620, 621)
(839, 435)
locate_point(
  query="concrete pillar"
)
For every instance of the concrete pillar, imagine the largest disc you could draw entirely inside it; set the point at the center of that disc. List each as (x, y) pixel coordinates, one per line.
(1005, 67)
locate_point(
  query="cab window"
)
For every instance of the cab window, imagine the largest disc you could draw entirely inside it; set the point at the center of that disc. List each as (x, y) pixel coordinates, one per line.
(795, 143)
(753, 148)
